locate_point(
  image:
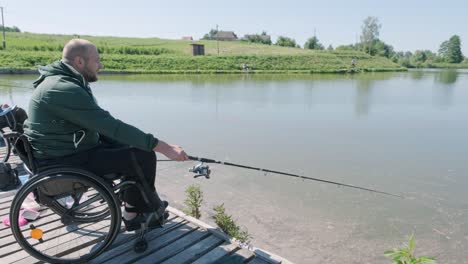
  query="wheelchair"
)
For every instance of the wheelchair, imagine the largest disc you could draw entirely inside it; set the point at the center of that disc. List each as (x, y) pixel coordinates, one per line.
(80, 214)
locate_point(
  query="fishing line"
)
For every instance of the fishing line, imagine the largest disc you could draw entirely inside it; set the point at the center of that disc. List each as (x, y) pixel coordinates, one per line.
(206, 160)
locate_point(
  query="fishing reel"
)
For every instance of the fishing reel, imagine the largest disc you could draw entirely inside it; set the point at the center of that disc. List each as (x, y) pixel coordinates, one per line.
(201, 170)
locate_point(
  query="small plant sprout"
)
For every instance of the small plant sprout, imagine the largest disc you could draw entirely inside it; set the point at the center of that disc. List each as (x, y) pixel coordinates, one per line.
(406, 255)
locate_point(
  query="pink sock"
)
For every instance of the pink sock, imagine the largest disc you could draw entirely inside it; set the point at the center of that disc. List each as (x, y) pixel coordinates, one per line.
(21, 220)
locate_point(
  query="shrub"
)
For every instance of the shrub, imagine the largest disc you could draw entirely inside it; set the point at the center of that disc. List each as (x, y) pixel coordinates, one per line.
(193, 201)
(229, 226)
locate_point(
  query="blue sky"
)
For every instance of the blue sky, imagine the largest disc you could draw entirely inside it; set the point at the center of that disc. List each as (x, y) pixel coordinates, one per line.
(407, 25)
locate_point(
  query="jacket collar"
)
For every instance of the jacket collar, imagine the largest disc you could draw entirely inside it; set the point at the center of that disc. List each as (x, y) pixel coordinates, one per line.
(74, 71)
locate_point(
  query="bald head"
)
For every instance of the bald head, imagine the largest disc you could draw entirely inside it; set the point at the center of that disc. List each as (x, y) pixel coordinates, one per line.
(84, 57)
(76, 48)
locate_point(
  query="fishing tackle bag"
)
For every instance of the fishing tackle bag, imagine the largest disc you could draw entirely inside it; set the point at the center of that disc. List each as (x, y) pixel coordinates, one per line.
(13, 118)
(8, 177)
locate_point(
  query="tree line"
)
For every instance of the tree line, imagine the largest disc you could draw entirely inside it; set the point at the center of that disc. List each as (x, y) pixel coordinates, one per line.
(449, 51)
(370, 43)
(10, 29)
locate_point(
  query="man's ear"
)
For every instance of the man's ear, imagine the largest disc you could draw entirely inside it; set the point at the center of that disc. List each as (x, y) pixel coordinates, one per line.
(78, 61)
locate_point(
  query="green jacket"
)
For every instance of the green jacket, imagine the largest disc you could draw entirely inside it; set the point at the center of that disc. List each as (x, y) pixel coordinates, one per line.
(64, 117)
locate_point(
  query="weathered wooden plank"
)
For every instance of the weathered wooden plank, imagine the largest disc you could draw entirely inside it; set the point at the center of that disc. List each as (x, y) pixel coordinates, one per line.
(182, 240)
(247, 254)
(124, 242)
(10, 240)
(240, 256)
(45, 219)
(124, 236)
(6, 197)
(199, 223)
(159, 245)
(175, 247)
(9, 245)
(7, 203)
(195, 251)
(259, 261)
(5, 210)
(217, 253)
(47, 216)
(269, 257)
(70, 241)
(61, 243)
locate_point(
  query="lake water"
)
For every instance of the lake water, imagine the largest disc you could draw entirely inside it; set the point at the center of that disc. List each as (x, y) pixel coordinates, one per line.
(404, 133)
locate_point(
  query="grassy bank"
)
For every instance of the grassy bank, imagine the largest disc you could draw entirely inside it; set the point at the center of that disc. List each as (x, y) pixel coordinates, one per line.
(153, 55)
(463, 65)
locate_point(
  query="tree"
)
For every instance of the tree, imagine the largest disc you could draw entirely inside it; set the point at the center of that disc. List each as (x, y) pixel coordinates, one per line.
(286, 42)
(263, 38)
(370, 33)
(211, 35)
(450, 50)
(443, 49)
(419, 56)
(313, 43)
(330, 47)
(10, 29)
(382, 49)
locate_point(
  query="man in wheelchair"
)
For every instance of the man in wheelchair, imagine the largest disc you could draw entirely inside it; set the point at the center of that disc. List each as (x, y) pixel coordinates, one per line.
(66, 126)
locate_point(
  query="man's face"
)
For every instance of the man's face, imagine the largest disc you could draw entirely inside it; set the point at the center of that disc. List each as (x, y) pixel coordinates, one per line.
(92, 65)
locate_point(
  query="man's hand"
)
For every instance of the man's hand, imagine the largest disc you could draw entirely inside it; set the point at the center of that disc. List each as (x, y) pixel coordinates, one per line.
(173, 152)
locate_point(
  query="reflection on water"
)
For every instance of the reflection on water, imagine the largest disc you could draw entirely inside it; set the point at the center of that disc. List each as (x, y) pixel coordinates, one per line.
(443, 96)
(446, 76)
(363, 96)
(11, 86)
(270, 89)
(416, 75)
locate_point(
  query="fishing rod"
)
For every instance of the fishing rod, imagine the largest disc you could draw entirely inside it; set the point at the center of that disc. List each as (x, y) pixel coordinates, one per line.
(205, 171)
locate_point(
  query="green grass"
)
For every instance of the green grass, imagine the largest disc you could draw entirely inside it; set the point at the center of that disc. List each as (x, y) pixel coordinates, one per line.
(463, 65)
(154, 55)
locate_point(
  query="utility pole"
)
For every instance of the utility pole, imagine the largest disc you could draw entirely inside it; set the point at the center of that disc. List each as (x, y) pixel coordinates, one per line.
(3, 27)
(217, 40)
(356, 42)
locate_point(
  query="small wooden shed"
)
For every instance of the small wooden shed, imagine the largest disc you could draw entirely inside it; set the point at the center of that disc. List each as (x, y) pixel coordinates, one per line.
(198, 49)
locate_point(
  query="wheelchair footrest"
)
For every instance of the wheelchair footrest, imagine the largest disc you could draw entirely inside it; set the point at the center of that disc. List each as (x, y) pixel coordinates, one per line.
(140, 245)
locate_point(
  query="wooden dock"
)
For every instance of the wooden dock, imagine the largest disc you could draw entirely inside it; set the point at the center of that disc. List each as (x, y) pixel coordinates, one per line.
(183, 239)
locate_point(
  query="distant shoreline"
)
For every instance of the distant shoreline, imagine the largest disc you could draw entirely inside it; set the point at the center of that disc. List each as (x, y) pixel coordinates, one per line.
(12, 71)
(157, 56)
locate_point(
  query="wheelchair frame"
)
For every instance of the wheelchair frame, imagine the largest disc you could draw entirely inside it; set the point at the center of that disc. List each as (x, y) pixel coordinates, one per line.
(106, 189)
(7, 146)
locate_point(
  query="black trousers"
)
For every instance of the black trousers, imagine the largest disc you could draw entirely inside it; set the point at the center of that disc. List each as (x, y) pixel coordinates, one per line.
(116, 158)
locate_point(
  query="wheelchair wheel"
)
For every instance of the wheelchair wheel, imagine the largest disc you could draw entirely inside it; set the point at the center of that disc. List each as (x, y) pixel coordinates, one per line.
(63, 204)
(67, 231)
(5, 148)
